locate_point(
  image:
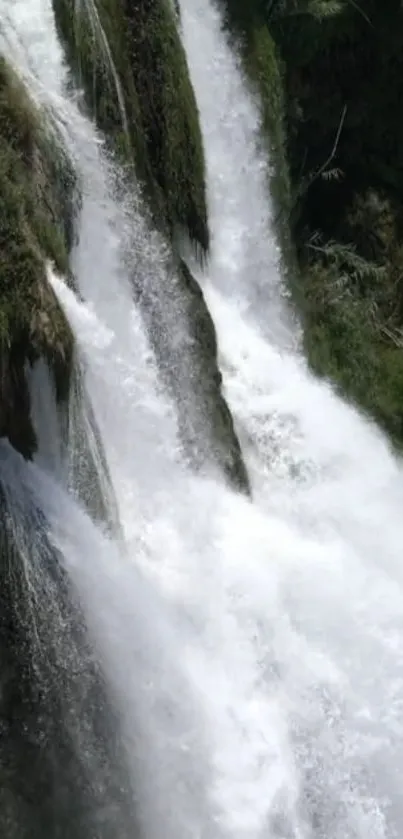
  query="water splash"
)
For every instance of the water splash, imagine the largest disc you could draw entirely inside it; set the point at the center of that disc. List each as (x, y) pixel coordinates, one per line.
(254, 651)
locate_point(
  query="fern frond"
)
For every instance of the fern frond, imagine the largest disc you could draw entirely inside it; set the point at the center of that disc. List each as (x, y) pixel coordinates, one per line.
(346, 256)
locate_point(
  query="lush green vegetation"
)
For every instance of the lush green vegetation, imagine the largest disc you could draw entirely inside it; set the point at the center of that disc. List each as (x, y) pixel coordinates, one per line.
(132, 66)
(36, 187)
(341, 65)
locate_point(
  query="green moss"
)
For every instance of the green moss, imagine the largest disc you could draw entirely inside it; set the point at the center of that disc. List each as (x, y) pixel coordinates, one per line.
(35, 186)
(132, 66)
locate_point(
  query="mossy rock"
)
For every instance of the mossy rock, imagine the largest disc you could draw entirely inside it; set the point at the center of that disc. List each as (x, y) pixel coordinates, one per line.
(89, 476)
(36, 185)
(183, 337)
(58, 726)
(132, 66)
(145, 104)
(215, 414)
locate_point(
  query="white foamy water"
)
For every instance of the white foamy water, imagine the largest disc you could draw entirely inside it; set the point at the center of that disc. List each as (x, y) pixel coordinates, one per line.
(254, 649)
(245, 257)
(326, 484)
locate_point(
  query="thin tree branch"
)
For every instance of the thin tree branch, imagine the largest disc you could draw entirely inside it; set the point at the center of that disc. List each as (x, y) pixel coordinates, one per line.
(332, 154)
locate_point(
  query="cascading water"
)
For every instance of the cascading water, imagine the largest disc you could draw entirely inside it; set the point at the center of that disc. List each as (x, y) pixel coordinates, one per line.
(245, 265)
(253, 651)
(327, 484)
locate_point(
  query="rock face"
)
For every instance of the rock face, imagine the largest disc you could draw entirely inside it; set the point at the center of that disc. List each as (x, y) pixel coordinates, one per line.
(131, 63)
(36, 186)
(207, 382)
(190, 371)
(56, 723)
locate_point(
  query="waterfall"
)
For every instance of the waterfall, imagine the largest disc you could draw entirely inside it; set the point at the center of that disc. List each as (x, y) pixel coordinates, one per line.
(228, 668)
(245, 263)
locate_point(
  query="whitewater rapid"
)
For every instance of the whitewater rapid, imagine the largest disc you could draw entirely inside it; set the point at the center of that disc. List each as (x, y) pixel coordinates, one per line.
(254, 649)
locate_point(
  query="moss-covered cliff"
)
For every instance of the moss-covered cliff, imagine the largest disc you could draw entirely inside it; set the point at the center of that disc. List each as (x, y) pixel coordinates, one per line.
(192, 375)
(132, 66)
(341, 71)
(130, 61)
(35, 225)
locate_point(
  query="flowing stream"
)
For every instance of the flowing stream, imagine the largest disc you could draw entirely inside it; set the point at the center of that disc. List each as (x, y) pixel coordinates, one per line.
(253, 649)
